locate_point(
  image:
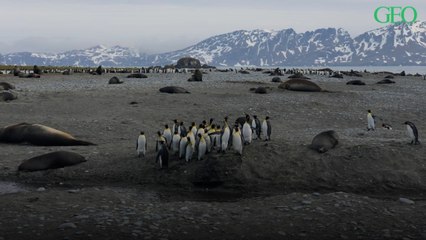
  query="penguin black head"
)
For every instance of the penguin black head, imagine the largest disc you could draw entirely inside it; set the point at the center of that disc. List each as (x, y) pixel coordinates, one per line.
(267, 117)
(369, 111)
(142, 132)
(218, 127)
(176, 132)
(166, 126)
(226, 118)
(159, 133)
(211, 120)
(204, 122)
(193, 124)
(181, 123)
(255, 116)
(199, 135)
(175, 121)
(213, 126)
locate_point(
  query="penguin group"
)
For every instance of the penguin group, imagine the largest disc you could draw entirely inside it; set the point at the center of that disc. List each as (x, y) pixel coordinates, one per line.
(198, 141)
(411, 128)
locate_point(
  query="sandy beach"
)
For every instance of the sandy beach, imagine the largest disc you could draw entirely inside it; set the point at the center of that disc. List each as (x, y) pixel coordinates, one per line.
(371, 186)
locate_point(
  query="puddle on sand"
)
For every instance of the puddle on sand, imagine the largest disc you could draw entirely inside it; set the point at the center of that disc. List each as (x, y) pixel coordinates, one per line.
(10, 187)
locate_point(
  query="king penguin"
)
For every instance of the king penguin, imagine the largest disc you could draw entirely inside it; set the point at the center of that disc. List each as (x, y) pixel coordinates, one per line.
(141, 145)
(257, 127)
(175, 142)
(266, 129)
(236, 141)
(202, 147)
(225, 138)
(189, 149)
(370, 121)
(182, 147)
(158, 144)
(163, 156)
(412, 132)
(167, 133)
(247, 133)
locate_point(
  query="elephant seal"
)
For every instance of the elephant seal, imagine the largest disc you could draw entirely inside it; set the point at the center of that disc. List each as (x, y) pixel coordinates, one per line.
(261, 90)
(137, 75)
(38, 134)
(51, 160)
(355, 82)
(300, 85)
(6, 86)
(325, 141)
(173, 89)
(115, 80)
(385, 81)
(7, 96)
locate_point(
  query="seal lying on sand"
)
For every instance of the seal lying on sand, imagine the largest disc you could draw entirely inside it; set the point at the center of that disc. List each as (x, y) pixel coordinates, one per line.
(325, 141)
(38, 134)
(173, 89)
(6, 86)
(7, 96)
(51, 160)
(355, 82)
(300, 85)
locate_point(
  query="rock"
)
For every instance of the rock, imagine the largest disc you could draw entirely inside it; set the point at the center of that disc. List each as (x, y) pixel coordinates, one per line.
(114, 80)
(406, 201)
(74, 191)
(137, 75)
(188, 62)
(260, 90)
(389, 77)
(41, 189)
(276, 79)
(67, 225)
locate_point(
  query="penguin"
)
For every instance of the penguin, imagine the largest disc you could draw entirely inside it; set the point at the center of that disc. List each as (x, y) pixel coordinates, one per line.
(386, 126)
(214, 134)
(141, 144)
(236, 141)
(210, 125)
(167, 133)
(412, 132)
(253, 128)
(202, 147)
(189, 150)
(201, 132)
(158, 144)
(176, 126)
(266, 129)
(257, 128)
(182, 147)
(208, 142)
(175, 142)
(191, 137)
(224, 138)
(370, 121)
(247, 132)
(193, 128)
(182, 129)
(163, 156)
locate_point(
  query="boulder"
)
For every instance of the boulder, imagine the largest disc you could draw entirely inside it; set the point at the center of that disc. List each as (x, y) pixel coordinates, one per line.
(188, 62)
(114, 80)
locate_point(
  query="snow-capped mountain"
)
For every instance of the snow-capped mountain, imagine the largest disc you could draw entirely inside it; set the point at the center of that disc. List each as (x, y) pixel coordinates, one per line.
(98, 55)
(399, 44)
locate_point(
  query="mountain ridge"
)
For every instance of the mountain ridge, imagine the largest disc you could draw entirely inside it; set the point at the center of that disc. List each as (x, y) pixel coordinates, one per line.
(391, 45)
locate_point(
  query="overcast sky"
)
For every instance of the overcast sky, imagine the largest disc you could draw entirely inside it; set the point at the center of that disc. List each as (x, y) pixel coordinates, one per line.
(157, 26)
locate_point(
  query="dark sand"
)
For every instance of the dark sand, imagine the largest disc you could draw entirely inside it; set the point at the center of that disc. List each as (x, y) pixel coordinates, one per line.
(278, 190)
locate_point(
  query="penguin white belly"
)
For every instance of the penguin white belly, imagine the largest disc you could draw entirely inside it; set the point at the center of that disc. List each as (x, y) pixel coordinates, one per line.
(141, 146)
(410, 133)
(225, 139)
(188, 152)
(202, 149)
(265, 130)
(182, 145)
(208, 142)
(237, 144)
(175, 143)
(168, 136)
(370, 121)
(253, 129)
(247, 134)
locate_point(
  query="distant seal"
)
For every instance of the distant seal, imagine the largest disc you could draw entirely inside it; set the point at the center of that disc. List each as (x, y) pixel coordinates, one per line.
(260, 90)
(115, 80)
(385, 81)
(7, 96)
(325, 141)
(6, 86)
(38, 134)
(173, 89)
(137, 75)
(51, 160)
(355, 82)
(300, 85)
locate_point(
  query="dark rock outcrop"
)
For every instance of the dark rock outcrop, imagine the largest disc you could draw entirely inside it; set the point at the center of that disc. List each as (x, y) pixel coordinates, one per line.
(188, 62)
